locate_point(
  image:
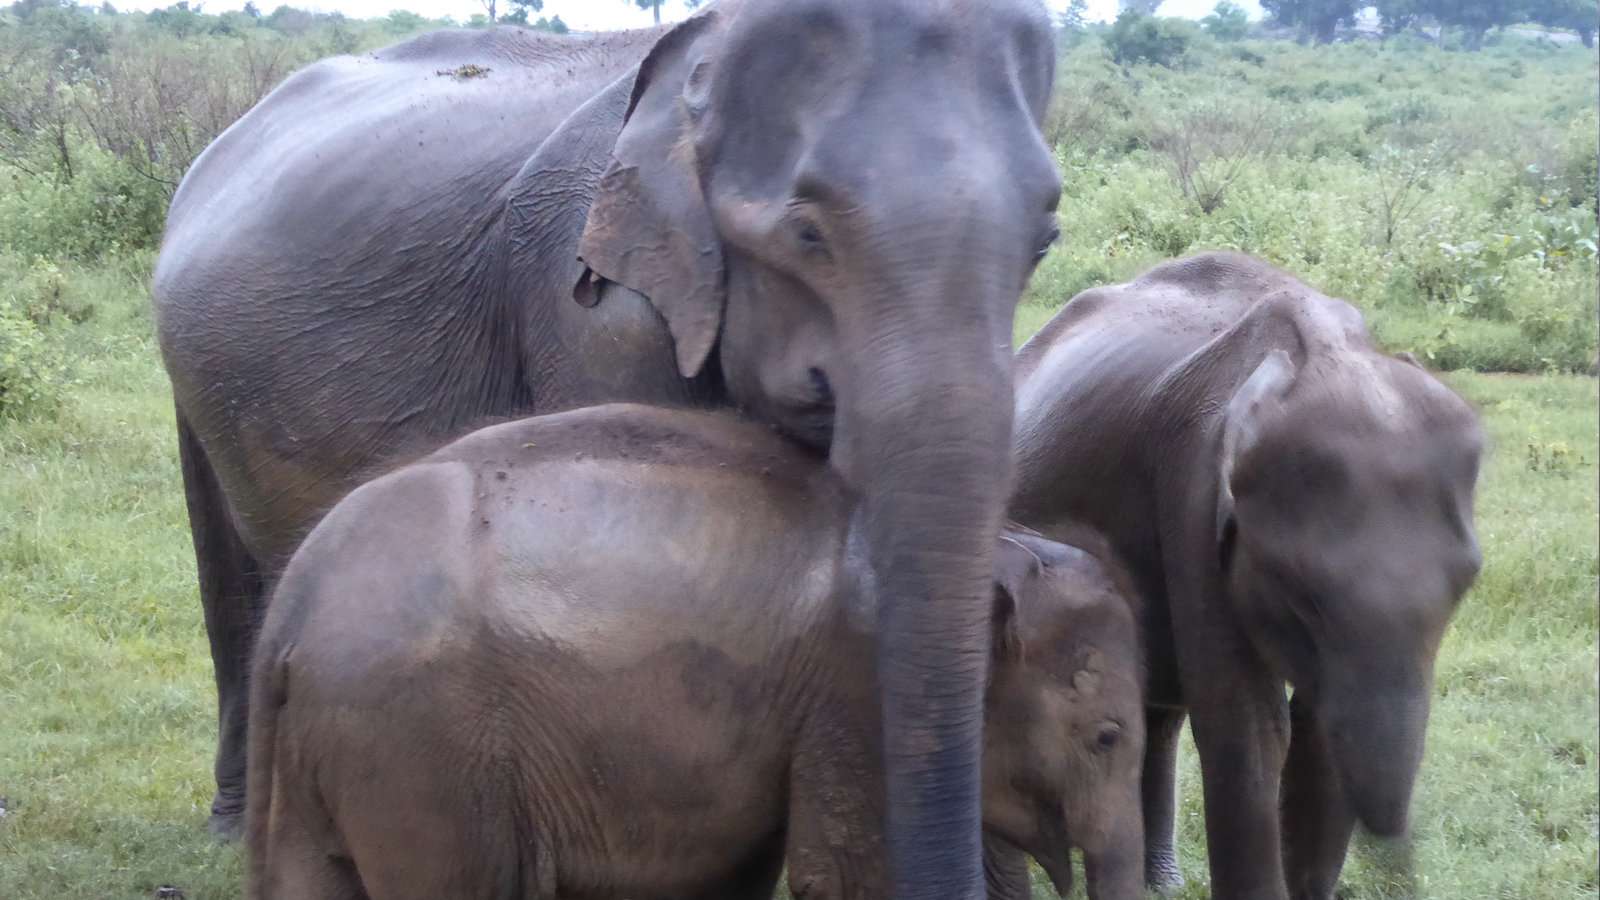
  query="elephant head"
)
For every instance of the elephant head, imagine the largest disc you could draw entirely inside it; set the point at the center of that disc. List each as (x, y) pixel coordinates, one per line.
(1344, 524)
(1067, 674)
(835, 206)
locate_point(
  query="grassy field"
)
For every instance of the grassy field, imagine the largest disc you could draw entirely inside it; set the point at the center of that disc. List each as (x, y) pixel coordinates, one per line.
(105, 684)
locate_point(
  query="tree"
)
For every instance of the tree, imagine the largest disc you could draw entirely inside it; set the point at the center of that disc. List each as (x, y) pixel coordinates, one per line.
(1397, 16)
(1074, 17)
(521, 9)
(552, 24)
(1228, 22)
(403, 21)
(1578, 15)
(251, 10)
(489, 7)
(288, 20)
(1139, 38)
(653, 5)
(178, 19)
(1474, 18)
(1139, 7)
(1316, 19)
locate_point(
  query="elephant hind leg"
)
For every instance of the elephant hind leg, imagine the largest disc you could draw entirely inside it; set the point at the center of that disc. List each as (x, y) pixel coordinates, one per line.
(232, 598)
(1163, 726)
(296, 865)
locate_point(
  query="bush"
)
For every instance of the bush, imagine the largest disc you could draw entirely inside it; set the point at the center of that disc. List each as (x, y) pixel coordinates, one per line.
(33, 371)
(1579, 178)
(107, 207)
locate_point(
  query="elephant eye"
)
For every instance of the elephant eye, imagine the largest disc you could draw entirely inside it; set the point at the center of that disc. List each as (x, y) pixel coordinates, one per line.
(1051, 235)
(810, 236)
(1106, 740)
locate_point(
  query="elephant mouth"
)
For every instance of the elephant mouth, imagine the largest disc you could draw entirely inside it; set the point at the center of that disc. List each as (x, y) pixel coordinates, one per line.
(1059, 870)
(1053, 852)
(810, 424)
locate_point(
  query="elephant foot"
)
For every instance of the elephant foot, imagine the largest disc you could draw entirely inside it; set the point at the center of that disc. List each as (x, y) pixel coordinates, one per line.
(1161, 873)
(227, 820)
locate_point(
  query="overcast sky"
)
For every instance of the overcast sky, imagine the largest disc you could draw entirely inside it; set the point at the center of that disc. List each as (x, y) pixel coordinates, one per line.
(597, 14)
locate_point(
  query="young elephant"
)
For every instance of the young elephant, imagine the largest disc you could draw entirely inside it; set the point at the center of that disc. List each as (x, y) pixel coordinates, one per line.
(1295, 507)
(626, 652)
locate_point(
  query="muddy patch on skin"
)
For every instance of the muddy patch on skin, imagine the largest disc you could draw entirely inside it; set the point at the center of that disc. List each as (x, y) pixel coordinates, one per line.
(465, 72)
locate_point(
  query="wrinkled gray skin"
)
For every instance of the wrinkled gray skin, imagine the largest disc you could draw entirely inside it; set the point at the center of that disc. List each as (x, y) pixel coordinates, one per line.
(626, 652)
(769, 214)
(1296, 507)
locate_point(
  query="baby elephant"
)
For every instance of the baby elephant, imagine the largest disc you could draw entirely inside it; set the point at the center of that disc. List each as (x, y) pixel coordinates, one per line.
(627, 652)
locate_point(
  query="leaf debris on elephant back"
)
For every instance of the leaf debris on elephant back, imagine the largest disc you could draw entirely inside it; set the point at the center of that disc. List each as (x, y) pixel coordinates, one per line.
(465, 71)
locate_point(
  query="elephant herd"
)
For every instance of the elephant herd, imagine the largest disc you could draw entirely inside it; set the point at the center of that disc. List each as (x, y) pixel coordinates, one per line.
(626, 433)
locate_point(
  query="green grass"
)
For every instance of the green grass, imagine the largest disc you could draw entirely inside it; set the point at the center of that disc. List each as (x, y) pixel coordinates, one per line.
(105, 678)
(105, 685)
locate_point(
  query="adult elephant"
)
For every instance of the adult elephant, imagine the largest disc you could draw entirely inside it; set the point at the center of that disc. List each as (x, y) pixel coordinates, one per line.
(1296, 507)
(759, 207)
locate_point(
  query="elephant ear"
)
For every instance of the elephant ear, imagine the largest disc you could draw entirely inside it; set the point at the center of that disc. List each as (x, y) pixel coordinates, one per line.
(649, 228)
(1410, 359)
(1241, 428)
(1015, 568)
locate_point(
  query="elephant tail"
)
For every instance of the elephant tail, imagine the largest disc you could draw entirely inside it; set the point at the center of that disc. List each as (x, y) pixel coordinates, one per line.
(269, 691)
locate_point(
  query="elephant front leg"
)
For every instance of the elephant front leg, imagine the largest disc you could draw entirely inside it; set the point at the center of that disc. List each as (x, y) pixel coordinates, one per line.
(1163, 726)
(1317, 822)
(1241, 735)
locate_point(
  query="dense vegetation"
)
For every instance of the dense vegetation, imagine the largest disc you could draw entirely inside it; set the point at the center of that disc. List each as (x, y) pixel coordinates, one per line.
(1449, 193)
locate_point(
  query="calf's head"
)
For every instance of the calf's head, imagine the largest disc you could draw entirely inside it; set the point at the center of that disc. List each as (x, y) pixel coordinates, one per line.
(1064, 726)
(1345, 536)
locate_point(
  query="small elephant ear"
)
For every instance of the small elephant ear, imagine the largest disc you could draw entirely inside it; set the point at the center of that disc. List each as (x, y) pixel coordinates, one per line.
(649, 228)
(1241, 426)
(1015, 567)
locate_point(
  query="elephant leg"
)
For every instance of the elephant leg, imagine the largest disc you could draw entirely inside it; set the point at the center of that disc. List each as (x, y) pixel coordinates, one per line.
(1163, 726)
(833, 804)
(232, 597)
(294, 865)
(1317, 822)
(756, 879)
(1240, 732)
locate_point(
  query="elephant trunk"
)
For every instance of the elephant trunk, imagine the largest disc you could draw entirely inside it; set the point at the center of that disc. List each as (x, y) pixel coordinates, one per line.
(924, 430)
(1113, 859)
(1376, 724)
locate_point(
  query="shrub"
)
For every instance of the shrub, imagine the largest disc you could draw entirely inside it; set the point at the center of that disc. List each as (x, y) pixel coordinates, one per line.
(106, 208)
(33, 372)
(1579, 177)
(1209, 145)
